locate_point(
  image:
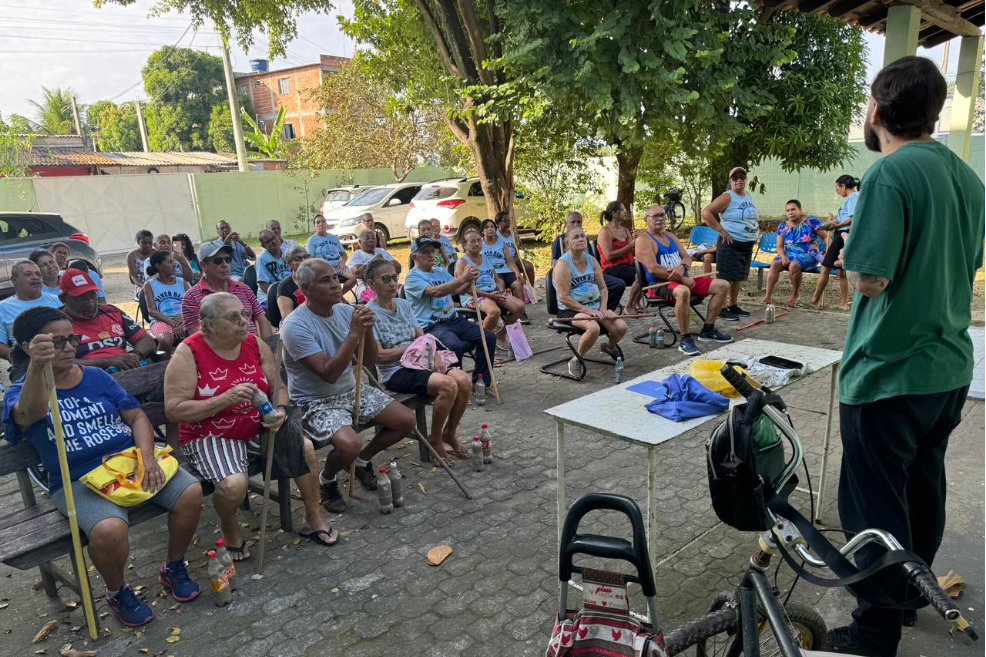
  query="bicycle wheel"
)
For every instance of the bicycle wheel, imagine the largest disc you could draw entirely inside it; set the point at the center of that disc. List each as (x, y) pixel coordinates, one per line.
(807, 627)
(677, 215)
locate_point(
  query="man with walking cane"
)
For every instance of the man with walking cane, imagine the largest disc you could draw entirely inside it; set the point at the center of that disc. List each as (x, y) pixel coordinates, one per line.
(321, 338)
(917, 242)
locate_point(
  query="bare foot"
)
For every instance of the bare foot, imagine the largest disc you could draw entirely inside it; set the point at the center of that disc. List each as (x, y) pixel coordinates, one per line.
(764, 301)
(238, 552)
(844, 306)
(442, 456)
(458, 450)
(792, 302)
(817, 304)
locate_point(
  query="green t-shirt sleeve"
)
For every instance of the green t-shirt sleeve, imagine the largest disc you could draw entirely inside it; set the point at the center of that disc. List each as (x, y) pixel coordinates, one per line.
(876, 240)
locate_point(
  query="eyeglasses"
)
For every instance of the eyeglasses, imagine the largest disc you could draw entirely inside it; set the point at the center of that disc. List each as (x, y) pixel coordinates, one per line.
(273, 239)
(390, 278)
(61, 340)
(218, 260)
(656, 216)
(300, 258)
(242, 317)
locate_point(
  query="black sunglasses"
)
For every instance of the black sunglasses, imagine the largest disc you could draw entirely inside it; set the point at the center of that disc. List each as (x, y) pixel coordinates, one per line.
(218, 260)
(61, 340)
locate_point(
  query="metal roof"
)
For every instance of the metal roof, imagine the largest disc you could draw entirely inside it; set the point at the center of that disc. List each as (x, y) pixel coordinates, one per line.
(941, 20)
(195, 158)
(57, 156)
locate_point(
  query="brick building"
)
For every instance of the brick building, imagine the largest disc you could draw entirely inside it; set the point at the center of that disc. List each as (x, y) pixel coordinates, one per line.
(290, 88)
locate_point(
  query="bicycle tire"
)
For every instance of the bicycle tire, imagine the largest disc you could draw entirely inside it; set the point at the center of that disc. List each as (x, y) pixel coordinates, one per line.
(678, 214)
(700, 630)
(812, 631)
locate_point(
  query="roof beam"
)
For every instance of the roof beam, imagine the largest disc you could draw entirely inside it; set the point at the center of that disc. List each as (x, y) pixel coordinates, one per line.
(808, 6)
(945, 16)
(837, 9)
(874, 18)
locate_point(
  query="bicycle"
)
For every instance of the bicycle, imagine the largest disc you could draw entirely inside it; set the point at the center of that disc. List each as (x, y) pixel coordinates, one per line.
(674, 208)
(738, 620)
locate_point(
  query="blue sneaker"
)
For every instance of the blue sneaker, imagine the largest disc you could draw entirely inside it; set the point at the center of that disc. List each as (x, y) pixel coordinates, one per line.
(712, 334)
(174, 577)
(131, 610)
(687, 346)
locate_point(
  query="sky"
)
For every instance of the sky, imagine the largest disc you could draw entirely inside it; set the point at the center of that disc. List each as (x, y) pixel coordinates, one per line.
(99, 52)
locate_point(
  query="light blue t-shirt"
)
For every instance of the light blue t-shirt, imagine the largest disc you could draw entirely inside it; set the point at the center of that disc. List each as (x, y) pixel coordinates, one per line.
(239, 260)
(428, 310)
(394, 328)
(740, 219)
(487, 278)
(495, 253)
(361, 257)
(11, 307)
(167, 298)
(584, 288)
(846, 211)
(447, 243)
(327, 247)
(53, 291)
(509, 241)
(271, 269)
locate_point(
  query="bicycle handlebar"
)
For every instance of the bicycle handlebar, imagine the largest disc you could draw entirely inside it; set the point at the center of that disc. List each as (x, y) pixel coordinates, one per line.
(737, 380)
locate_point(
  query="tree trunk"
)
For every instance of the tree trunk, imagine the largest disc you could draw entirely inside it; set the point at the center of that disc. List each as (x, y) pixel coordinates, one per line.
(492, 150)
(626, 179)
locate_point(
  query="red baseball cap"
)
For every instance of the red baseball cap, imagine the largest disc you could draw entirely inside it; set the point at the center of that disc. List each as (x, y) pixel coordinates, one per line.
(75, 282)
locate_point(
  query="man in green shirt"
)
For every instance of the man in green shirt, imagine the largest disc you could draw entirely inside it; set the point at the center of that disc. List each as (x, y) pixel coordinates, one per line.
(917, 241)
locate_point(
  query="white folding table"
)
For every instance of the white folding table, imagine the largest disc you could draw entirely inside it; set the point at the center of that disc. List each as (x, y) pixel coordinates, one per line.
(621, 413)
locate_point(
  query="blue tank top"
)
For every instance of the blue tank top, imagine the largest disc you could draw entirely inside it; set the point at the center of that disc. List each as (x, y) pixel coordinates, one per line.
(167, 298)
(487, 278)
(584, 288)
(666, 256)
(740, 217)
(495, 253)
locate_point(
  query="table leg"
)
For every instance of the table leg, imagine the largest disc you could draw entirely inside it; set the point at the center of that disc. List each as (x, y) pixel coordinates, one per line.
(562, 510)
(828, 437)
(652, 503)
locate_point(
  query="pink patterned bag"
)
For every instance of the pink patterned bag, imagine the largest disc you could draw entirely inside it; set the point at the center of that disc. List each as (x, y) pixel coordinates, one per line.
(416, 355)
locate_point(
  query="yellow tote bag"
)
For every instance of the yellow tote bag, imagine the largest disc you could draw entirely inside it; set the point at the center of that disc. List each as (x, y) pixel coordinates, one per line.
(118, 481)
(707, 373)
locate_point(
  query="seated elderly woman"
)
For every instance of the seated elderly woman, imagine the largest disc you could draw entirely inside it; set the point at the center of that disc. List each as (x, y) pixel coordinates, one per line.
(208, 389)
(396, 328)
(490, 287)
(797, 249)
(99, 419)
(581, 290)
(289, 295)
(366, 253)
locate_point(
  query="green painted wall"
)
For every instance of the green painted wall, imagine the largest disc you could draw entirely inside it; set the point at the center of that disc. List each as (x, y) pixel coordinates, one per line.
(17, 195)
(248, 200)
(816, 189)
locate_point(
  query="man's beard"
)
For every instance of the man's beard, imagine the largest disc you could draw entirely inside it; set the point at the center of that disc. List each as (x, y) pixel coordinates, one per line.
(870, 138)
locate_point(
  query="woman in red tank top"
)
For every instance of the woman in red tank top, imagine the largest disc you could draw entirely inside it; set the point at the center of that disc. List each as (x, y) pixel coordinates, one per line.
(616, 251)
(208, 389)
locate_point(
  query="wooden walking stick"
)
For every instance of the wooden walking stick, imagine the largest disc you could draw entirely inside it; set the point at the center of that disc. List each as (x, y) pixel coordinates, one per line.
(73, 521)
(359, 389)
(269, 439)
(482, 339)
(520, 263)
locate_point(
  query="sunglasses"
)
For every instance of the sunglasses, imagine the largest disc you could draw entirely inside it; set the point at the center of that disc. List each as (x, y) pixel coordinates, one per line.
(242, 317)
(61, 340)
(218, 260)
(390, 278)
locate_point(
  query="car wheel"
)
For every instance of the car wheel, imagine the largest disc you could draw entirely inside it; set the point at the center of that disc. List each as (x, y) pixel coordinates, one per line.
(382, 229)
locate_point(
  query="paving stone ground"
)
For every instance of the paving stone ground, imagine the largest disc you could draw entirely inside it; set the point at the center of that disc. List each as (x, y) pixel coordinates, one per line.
(374, 594)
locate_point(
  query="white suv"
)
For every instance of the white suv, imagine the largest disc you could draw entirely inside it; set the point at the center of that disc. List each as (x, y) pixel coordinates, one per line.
(388, 204)
(340, 196)
(457, 203)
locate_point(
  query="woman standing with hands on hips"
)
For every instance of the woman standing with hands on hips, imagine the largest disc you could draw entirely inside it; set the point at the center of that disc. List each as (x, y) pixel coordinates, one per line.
(738, 227)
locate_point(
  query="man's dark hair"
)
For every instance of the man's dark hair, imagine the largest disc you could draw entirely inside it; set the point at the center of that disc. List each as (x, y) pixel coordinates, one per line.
(795, 202)
(910, 92)
(15, 270)
(37, 254)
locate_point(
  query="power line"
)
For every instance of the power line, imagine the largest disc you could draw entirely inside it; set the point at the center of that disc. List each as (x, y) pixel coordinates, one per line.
(161, 63)
(116, 43)
(72, 23)
(90, 13)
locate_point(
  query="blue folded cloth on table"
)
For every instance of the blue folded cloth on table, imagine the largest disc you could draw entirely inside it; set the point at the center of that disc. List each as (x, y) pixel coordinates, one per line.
(683, 398)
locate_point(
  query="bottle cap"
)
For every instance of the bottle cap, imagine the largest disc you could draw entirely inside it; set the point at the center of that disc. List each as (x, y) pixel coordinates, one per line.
(211, 554)
(220, 542)
(486, 426)
(383, 470)
(475, 437)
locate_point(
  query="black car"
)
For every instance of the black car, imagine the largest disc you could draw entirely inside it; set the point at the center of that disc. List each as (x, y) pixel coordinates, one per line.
(23, 232)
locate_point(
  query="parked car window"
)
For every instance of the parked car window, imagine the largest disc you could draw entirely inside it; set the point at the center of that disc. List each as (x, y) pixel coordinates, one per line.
(13, 228)
(370, 197)
(405, 195)
(434, 192)
(338, 195)
(476, 189)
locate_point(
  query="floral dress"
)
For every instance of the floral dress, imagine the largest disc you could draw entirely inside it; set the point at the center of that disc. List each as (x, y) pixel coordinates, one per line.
(801, 242)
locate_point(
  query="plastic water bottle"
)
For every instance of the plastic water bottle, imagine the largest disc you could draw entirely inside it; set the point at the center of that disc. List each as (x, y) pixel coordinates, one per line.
(769, 313)
(218, 581)
(430, 355)
(477, 454)
(661, 344)
(480, 393)
(652, 336)
(384, 492)
(263, 406)
(619, 369)
(487, 441)
(222, 554)
(396, 484)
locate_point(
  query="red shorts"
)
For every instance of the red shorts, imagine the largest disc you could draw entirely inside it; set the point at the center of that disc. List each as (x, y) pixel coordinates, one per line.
(700, 289)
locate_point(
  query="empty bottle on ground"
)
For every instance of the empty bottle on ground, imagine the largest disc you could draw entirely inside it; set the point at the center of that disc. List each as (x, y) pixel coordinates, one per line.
(396, 484)
(384, 492)
(486, 439)
(477, 454)
(652, 336)
(661, 340)
(619, 369)
(227, 561)
(218, 581)
(263, 406)
(480, 393)
(769, 313)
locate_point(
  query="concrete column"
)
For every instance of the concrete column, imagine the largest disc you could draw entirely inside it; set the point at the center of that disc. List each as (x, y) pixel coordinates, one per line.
(964, 96)
(903, 24)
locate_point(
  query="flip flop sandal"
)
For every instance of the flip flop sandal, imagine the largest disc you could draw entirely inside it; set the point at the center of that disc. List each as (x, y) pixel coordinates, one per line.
(239, 551)
(462, 453)
(316, 536)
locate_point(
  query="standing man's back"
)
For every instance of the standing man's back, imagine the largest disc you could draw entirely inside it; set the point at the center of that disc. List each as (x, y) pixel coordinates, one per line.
(916, 243)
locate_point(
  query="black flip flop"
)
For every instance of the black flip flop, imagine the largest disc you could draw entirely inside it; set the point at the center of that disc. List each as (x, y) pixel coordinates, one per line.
(317, 537)
(239, 551)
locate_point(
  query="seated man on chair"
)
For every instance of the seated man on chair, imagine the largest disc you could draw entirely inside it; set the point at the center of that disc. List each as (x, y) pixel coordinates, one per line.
(581, 291)
(614, 286)
(665, 260)
(321, 338)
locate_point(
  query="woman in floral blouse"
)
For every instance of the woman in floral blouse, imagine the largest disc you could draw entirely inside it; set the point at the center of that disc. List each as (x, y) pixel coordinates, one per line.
(798, 248)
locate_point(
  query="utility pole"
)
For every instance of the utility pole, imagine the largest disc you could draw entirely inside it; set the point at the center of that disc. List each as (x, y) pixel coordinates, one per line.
(75, 116)
(141, 127)
(234, 110)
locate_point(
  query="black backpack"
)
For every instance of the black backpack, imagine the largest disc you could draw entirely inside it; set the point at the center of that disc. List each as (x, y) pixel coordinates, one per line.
(745, 456)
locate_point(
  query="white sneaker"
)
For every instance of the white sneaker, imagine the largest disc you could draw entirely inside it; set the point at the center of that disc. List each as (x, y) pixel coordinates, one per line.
(575, 368)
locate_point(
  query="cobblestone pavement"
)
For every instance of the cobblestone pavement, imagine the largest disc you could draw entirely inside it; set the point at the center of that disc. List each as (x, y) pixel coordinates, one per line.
(374, 594)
